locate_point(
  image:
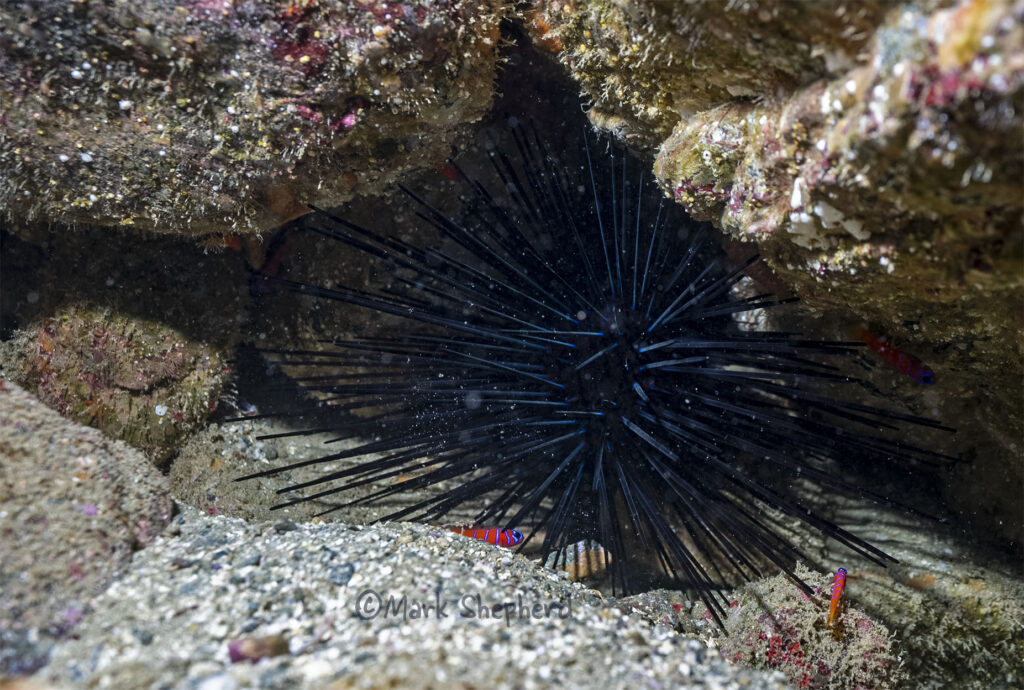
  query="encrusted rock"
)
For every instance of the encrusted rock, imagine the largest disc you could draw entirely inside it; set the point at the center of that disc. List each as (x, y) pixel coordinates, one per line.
(646, 63)
(219, 116)
(132, 336)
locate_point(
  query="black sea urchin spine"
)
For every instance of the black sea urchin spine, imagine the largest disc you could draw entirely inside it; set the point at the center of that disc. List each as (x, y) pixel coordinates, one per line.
(570, 352)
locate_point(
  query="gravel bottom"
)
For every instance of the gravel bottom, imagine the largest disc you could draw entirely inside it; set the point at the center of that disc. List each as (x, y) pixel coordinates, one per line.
(217, 603)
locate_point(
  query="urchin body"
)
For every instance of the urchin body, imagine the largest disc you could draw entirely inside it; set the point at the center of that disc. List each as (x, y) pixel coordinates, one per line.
(570, 353)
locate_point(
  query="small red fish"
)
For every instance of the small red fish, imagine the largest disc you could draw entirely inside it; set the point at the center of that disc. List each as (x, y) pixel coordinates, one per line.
(499, 537)
(906, 364)
(449, 171)
(838, 583)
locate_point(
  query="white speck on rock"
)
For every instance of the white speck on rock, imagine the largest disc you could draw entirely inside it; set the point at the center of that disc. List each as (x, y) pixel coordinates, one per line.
(796, 200)
(831, 216)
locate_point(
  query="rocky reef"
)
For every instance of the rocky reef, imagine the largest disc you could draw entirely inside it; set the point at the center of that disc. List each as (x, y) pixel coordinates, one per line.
(212, 116)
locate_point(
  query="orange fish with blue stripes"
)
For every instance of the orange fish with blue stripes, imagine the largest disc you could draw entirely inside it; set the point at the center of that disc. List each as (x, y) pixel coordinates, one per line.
(838, 583)
(498, 537)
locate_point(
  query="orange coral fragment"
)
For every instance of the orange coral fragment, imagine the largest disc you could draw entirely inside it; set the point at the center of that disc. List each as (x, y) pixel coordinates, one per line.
(541, 31)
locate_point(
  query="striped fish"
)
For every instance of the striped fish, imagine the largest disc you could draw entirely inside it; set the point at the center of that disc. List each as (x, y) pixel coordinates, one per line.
(498, 537)
(906, 363)
(837, 592)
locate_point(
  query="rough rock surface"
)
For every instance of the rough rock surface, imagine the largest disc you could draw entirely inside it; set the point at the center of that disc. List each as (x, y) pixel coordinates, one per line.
(216, 116)
(793, 637)
(644, 63)
(773, 625)
(955, 603)
(947, 615)
(873, 151)
(297, 606)
(74, 505)
(133, 338)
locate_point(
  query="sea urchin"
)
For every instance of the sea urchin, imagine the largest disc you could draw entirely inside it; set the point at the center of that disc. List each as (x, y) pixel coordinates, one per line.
(571, 352)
